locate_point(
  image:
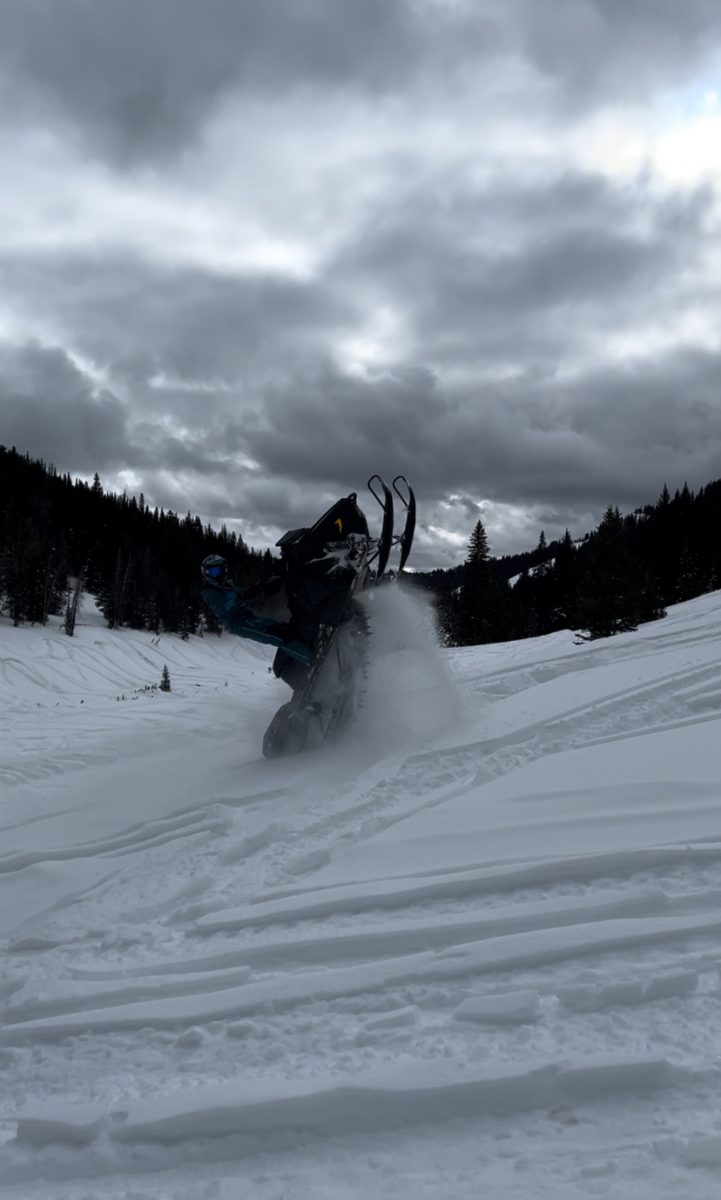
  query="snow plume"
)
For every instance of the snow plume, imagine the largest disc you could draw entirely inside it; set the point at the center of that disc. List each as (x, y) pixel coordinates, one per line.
(411, 696)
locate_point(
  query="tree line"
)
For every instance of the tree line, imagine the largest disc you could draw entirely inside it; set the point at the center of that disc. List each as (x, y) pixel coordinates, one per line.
(623, 573)
(60, 537)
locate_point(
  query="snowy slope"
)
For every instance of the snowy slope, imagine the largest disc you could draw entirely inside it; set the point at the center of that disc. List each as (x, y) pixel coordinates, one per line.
(476, 952)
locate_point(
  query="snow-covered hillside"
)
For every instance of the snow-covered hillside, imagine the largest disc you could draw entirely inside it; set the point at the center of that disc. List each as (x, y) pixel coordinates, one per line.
(474, 952)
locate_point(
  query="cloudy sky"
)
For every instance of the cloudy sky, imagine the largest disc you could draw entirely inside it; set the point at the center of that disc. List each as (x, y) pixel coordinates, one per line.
(252, 251)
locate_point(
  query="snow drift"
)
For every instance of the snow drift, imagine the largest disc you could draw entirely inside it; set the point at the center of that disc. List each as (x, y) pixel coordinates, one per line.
(477, 947)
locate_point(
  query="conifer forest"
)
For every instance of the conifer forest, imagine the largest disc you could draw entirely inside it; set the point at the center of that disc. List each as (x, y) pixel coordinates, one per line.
(60, 537)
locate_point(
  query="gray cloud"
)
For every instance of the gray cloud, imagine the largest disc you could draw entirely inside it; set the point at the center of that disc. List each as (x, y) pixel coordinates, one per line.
(192, 323)
(497, 270)
(272, 424)
(137, 81)
(295, 243)
(563, 452)
(594, 48)
(48, 404)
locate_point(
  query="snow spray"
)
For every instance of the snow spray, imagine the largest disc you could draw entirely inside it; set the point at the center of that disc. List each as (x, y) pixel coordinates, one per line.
(411, 696)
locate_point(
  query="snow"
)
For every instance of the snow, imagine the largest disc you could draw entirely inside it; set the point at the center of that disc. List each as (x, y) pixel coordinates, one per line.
(474, 951)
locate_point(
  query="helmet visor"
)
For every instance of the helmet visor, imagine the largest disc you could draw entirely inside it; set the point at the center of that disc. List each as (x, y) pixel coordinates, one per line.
(216, 571)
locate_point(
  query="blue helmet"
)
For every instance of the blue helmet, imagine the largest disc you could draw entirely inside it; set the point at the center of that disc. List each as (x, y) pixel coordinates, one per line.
(214, 569)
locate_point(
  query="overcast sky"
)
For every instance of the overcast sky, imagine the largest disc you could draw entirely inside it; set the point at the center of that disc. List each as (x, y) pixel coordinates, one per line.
(252, 251)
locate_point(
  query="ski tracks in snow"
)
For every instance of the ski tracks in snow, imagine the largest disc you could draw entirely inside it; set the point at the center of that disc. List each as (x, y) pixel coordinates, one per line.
(232, 992)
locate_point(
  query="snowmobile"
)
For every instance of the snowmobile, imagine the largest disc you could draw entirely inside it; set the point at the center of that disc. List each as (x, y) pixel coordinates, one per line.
(326, 569)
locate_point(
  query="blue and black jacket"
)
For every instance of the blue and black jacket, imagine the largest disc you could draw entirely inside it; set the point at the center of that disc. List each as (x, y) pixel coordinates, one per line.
(230, 605)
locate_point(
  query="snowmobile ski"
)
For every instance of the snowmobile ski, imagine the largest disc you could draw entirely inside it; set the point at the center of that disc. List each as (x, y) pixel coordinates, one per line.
(408, 500)
(380, 491)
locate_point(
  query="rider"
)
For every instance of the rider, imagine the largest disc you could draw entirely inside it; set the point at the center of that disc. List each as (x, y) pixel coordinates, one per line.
(287, 609)
(232, 606)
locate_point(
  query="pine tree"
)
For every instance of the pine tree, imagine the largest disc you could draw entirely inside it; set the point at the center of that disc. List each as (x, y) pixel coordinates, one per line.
(73, 605)
(651, 606)
(447, 616)
(471, 622)
(112, 602)
(610, 588)
(564, 585)
(165, 679)
(539, 613)
(523, 606)
(478, 551)
(542, 567)
(690, 576)
(484, 607)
